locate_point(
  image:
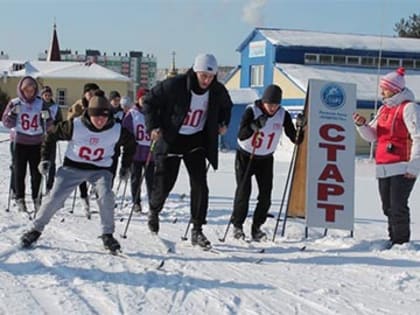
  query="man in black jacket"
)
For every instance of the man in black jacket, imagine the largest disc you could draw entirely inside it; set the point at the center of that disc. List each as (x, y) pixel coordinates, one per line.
(184, 116)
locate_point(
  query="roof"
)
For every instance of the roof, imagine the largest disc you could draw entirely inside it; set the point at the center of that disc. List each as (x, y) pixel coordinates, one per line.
(243, 96)
(367, 80)
(285, 37)
(60, 69)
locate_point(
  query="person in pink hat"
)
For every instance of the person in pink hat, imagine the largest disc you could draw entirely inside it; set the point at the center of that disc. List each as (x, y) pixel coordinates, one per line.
(396, 131)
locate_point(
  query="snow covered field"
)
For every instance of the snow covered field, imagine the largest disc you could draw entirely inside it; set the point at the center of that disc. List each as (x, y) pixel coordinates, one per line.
(68, 272)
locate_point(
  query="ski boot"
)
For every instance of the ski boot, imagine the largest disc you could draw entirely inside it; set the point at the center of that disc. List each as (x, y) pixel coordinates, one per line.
(21, 205)
(257, 234)
(238, 233)
(111, 243)
(29, 237)
(153, 222)
(137, 207)
(198, 238)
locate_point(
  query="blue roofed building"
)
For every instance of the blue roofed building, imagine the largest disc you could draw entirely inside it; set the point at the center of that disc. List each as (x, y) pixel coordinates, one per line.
(289, 58)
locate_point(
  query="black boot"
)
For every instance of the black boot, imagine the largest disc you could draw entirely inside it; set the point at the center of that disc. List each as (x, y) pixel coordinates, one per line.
(238, 233)
(110, 243)
(29, 237)
(257, 234)
(198, 238)
(153, 222)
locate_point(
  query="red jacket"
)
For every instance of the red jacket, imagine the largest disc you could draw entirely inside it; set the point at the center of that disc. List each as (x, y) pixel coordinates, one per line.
(392, 131)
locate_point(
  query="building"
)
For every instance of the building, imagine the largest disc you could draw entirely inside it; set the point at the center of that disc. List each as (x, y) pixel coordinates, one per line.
(290, 58)
(141, 68)
(65, 78)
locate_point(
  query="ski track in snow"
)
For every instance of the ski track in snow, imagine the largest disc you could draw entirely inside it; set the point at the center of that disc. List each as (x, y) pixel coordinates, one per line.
(69, 272)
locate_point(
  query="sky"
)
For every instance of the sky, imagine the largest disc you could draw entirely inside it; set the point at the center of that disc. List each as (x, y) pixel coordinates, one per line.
(68, 272)
(188, 27)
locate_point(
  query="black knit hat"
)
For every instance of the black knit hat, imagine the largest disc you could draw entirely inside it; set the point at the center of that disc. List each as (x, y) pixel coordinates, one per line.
(272, 94)
(46, 89)
(99, 106)
(114, 94)
(89, 87)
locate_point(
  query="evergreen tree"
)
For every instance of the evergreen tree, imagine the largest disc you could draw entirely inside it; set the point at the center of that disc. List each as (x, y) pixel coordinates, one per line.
(409, 27)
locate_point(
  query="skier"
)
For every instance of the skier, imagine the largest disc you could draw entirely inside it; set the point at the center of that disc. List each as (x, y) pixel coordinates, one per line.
(134, 122)
(92, 138)
(396, 132)
(30, 120)
(117, 110)
(259, 134)
(57, 116)
(184, 115)
(76, 110)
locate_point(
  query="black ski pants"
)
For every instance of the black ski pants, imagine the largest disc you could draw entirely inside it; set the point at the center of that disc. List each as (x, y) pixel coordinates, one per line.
(27, 154)
(394, 192)
(137, 168)
(262, 168)
(166, 173)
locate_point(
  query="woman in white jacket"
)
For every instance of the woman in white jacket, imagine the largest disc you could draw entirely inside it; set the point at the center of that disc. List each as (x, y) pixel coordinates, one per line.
(396, 130)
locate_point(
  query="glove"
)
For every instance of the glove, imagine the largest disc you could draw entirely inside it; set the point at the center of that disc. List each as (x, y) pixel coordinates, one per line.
(259, 123)
(124, 174)
(14, 110)
(44, 167)
(359, 120)
(300, 121)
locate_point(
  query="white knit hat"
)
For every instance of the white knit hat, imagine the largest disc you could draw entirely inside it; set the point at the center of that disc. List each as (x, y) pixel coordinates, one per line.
(205, 63)
(393, 81)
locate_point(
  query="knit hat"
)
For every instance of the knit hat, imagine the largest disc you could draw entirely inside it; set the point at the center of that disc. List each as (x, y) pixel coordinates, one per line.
(114, 94)
(89, 87)
(125, 101)
(272, 94)
(141, 92)
(205, 63)
(393, 81)
(46, 89)
(99, 106)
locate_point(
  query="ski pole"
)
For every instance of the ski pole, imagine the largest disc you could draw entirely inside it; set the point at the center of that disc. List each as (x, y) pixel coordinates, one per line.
(123, 195)
(148, 159)
(242, 183)
(74, 200)
(39, 197)
(287, 184)
(9, 197)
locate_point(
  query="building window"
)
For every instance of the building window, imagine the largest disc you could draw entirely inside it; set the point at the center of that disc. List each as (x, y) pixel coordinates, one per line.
(353, 60)
(325, 59)
(61, 96)
(393, 63)
(368, 61)
(257, 75)
(311, 58)
(408, 63)
(339, 60)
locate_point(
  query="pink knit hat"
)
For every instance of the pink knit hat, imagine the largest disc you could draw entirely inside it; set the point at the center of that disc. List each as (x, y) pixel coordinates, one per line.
(393, 81)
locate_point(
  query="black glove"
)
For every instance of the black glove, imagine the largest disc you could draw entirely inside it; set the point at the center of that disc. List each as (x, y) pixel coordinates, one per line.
(259, 122)
(124, 174)
(300, 121)
(44, 167)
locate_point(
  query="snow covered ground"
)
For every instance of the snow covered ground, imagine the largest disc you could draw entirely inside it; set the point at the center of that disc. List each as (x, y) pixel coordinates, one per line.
(68, 271)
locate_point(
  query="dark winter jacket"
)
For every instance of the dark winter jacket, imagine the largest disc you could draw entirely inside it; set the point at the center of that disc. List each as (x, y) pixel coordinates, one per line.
(64, 131)
(167, 104)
